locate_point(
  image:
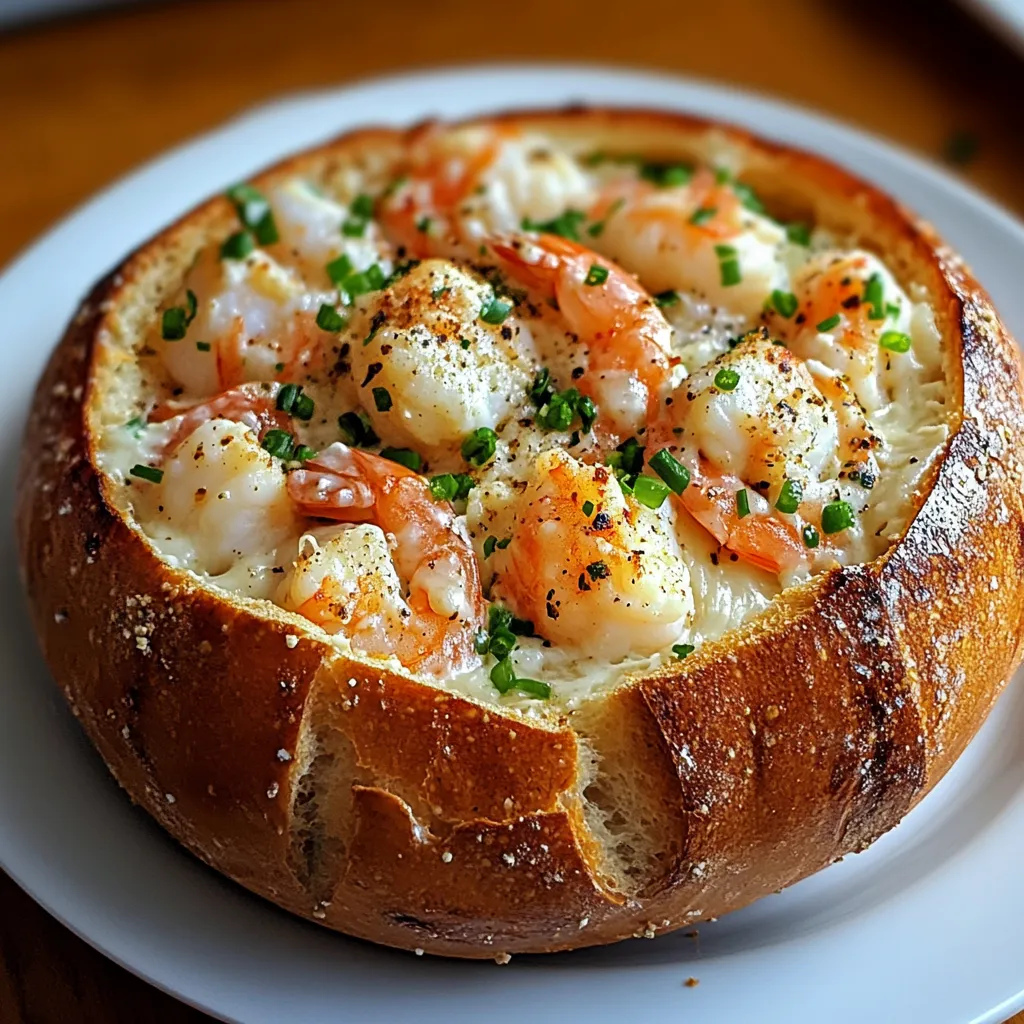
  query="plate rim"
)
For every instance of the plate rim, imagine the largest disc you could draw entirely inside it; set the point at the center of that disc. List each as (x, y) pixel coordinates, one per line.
(956, 190)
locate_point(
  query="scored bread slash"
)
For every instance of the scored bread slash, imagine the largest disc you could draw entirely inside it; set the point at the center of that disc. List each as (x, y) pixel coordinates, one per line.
(645, 497)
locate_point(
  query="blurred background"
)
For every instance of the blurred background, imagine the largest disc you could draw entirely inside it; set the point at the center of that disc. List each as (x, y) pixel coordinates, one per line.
(89, 90)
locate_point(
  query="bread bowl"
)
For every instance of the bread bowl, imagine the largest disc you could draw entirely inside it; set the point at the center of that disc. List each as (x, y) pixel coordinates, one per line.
(466, 822)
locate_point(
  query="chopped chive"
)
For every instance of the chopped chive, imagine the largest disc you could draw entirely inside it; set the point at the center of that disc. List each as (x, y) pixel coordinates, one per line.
(742, 503)
(785, 303)
(382, 399)
(799, 234)
(503, 543)
(287, 395)
(650, 492)
(278, 443)
(423, 225)
(489, 545)
(303, 453)
(254, 212)
(150, 473)
(666, 175)
(541, 390)
(567, 224)
(837, 516)
(703, 214)
(203, 346)
(353, 227)
(596, 275)
(561, 409)
(443, 487)
(464, 344)
(339, 269)
(874, 297)
(173, 324)
(479, 447)
(671, 470)
(364, 281)
(136, 425)
(329, 319)
(303, 408)
(176, 319)
(503, 675)
(726, 379)
(237, 246)
(587, 411)
(810, 535)
(495, 310)
(357, 430)
(827, 325)
(588, 508)
(375, 276)
(682, 650)
(748, 197)
(895, 341)
(534, 687)
(728, 265)
(665, 299)
(790, 496)
(362, 206)
(404, 457)
(441, 290)
(598, 570)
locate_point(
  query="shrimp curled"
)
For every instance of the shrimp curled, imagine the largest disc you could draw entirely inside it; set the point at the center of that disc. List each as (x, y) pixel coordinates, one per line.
(429, 548)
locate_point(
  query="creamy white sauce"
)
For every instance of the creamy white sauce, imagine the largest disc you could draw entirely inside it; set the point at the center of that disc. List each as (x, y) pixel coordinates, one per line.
(244, 549)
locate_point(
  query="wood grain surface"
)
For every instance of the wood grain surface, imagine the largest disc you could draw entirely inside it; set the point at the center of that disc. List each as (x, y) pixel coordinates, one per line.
(85, 99)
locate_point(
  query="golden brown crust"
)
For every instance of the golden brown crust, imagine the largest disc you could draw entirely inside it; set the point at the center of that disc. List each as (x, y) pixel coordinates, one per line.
(415, 817)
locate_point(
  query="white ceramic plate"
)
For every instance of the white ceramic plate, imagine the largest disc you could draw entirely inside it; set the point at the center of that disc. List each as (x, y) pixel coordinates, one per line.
(928, 925)
(1004, 17)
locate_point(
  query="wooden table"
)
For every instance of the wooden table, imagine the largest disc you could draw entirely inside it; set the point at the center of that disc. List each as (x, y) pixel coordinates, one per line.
(84, 100)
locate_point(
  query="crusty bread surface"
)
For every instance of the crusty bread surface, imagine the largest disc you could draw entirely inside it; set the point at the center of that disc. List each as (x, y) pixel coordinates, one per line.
(409, 815)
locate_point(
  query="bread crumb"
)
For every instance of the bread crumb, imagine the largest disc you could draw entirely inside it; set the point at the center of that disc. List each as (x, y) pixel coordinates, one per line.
(291, 640)
(502, 958)
(691, 982)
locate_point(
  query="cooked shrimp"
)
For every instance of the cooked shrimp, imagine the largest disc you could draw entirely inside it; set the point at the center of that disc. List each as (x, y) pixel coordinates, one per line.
(252, 405)
(343, 579)
(846, 303)
(311, 233)
(624, 332)
(754, 422)
(432, 370)
(254, 320)
(221, 497)
(430, 553)
(464, 185)
(590, 568)
(697, 238)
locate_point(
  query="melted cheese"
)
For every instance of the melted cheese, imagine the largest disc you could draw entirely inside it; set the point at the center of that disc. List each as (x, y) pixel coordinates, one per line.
(425, 368)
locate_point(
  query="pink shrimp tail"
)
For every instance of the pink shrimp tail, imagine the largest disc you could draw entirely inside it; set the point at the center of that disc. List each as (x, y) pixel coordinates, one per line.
(335, 485)
(253, 405)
